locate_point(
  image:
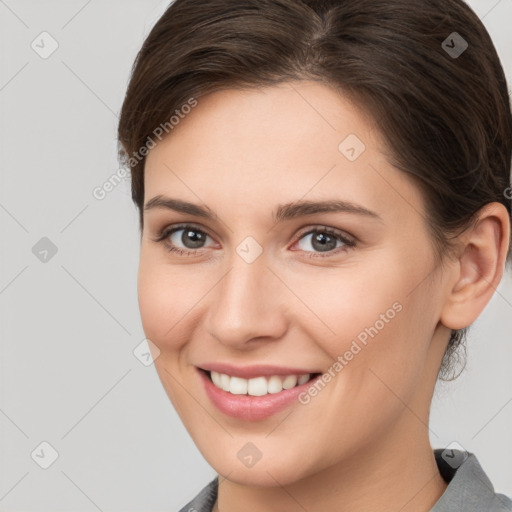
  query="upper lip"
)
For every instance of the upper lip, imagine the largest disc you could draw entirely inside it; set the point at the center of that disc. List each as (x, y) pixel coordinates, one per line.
(257, 370)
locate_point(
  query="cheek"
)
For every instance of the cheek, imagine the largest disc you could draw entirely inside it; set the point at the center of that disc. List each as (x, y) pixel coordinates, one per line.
(377, 320)
(348, 305)
(166, 298)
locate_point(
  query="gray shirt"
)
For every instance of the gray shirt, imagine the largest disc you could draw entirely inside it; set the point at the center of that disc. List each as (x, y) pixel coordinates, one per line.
(469, 489)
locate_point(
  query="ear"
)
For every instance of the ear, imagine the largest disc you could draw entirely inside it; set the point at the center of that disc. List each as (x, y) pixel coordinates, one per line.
(479, 267)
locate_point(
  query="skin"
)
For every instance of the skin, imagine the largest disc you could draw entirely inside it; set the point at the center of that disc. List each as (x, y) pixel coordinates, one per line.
(363, 442)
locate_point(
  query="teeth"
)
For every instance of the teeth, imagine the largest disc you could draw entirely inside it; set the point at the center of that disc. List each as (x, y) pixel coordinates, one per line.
(303, 379)
(275, 384)
(237, 386)
(257, 386)
(216, 379)
(224, 382)
(290, 381)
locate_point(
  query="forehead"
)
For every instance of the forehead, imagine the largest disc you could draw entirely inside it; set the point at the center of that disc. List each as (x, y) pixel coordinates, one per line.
(293, 111)
(271, 145)
(300, 121)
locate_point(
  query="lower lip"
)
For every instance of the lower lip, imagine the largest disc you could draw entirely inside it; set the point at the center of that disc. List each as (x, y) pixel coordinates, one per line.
(252, 408)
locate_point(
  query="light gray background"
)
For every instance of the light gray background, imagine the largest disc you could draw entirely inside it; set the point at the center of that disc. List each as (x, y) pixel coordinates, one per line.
(69, 326)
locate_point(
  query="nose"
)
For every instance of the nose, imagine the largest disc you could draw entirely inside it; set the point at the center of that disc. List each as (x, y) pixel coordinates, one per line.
(247, 305)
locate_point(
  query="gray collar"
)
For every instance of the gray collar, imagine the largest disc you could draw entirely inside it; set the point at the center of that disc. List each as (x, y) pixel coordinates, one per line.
(469, 489)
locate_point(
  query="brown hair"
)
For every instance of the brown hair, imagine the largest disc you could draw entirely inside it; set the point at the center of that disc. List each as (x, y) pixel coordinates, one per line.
(443, 109)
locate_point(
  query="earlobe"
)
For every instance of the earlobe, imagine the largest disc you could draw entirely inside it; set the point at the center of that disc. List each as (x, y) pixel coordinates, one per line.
(479, 268)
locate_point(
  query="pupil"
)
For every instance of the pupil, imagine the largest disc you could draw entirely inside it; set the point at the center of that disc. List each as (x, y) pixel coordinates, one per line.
(321, 239)
(196, 237)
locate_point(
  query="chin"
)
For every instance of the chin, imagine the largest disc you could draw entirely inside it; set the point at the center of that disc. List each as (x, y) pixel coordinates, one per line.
(266, 472)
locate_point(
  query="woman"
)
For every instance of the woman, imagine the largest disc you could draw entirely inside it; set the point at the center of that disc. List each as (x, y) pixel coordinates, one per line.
(323, 212)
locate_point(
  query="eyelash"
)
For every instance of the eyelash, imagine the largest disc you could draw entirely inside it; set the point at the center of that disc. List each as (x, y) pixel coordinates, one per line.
(168, 231)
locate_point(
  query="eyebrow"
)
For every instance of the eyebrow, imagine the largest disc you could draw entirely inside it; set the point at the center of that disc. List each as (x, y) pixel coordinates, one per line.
(283, 212)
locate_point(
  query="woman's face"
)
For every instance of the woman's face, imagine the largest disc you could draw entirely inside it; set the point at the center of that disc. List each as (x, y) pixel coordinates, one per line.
(259, 295)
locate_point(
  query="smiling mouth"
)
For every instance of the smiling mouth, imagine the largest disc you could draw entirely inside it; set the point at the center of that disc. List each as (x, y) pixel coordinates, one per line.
(258, 386)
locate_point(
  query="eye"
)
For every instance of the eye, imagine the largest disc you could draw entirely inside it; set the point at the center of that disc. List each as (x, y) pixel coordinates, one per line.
(325, 240)
(188, 235)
